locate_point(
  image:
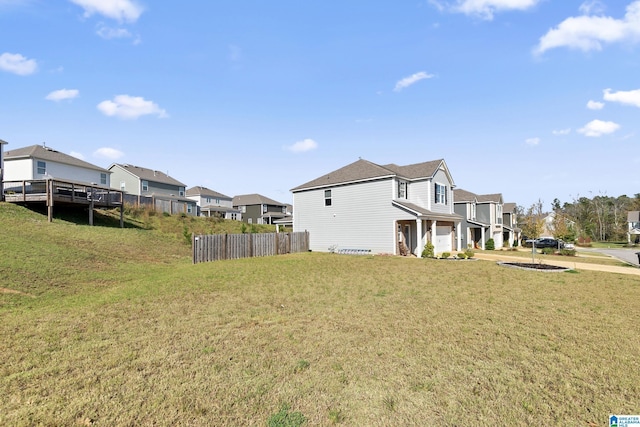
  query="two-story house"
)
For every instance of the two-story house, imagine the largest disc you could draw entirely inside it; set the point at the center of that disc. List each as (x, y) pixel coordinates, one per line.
(633, 233)
(258, 209)
(381, 208)
(2, 143)
(211, 203)
(482, 218)
(167, 194)
(41, 162)
(511, 233)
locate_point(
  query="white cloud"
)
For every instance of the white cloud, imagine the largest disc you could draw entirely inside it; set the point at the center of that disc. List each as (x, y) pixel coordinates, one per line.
(408, 81)
(486, 8)
(17, 64)
(112, 33)
(120, 10)
(630, 97)
(589, 32)
(596, 128)
(592, 7)
(532, 141)
(77, 155)
(302, 146)
(59, 95)
(566, 131)
(108, 153)
(130, 107)
(595, 105)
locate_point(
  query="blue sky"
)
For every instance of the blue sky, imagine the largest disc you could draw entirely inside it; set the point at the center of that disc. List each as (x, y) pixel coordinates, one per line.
(534, 99)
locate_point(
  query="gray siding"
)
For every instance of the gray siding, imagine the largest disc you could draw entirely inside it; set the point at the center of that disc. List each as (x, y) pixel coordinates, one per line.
(441, 178)
(132, 185)
(361, 216)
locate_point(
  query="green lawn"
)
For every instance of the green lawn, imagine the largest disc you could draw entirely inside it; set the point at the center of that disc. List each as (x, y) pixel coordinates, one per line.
(107, 326)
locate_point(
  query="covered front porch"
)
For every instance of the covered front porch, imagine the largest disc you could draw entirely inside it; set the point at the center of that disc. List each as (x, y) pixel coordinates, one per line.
(442, 230)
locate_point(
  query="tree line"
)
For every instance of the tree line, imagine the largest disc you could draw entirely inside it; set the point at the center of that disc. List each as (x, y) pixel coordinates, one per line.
(601, 218)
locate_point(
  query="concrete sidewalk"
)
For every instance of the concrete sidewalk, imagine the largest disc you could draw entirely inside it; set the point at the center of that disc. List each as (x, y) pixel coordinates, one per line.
(568, 262)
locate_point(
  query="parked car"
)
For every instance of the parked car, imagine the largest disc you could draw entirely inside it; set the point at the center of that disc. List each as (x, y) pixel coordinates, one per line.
(544, 242)
(568, 245)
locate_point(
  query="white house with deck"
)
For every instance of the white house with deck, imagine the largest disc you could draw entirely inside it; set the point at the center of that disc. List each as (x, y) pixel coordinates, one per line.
(379, 208)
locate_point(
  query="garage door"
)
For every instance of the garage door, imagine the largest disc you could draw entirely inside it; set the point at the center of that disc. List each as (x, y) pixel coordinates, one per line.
(443, 238)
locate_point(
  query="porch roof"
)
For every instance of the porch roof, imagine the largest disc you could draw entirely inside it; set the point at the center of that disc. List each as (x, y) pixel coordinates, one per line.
(479, 224)
(424, 213)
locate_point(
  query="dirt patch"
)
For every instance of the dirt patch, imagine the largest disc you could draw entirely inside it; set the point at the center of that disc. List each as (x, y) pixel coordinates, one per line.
(13, 291)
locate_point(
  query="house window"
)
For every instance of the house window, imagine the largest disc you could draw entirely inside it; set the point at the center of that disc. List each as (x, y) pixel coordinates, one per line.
(234, 216)
(327, 197)
(42, 167)
(217, 201)
(243, 209)
(122, 185)
(189, 208)
(264, 209)
(472, 211)
(498, 214)
(402, 189)
(284, 209)
(103, 179)
(441, 194)
(145, 185)
(181, 191)
(208, 199)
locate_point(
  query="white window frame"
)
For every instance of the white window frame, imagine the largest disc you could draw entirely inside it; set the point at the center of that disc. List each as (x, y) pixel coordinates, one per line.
(472, 211)
(498, 214)
(327, 198)
(181, 191)
(145, 185)
(103, 179)
(41, 167)
(440, 196)
(123, 186)
(403, 189)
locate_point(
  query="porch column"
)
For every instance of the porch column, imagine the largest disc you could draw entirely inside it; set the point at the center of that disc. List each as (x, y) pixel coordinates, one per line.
(420, 240)
(482, 238)
(433, 236)
(458, 236)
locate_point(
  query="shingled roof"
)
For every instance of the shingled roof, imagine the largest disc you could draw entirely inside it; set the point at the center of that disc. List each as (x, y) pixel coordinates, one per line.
(150, 174)
(254, 199)
(205, 192)
(46, 153)
(460, 195)
(363, 170)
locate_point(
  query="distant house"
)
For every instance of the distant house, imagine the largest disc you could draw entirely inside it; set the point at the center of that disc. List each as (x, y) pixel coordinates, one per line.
(41, 162)
(633, 234)
(150, 186)
(483, 217)
(379, 208)
(211, 203)
(2, 143)
(510, 231)
(258, 209)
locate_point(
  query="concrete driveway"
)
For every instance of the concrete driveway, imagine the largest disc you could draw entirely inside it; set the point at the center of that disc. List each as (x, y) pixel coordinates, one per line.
(625, 255)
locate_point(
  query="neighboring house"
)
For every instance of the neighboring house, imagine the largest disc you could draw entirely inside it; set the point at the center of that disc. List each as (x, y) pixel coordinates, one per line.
(212, 203)
(166, 193)
(40, 162)
(510, 231)
(633, 235)
(483, 217)
(2, 143)
(257, 209)
(381, 208)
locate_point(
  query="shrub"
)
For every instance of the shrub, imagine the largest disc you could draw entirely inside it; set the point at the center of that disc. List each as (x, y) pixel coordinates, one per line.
(515, 243)
(490, 245)
(462, 255)
(568, 252)
(446, 255)
(548, 251)
(469, 253)
(427, 252)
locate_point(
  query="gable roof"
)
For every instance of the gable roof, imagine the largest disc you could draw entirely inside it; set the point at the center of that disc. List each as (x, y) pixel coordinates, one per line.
(148, 174)
(254, 199)
(205, 192)
(46, 153)
(508, 207)
(363, 170)
(464, 196)
(484, 198)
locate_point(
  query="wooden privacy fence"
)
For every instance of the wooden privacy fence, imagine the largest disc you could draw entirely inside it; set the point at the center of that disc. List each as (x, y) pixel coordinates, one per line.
(216, 247)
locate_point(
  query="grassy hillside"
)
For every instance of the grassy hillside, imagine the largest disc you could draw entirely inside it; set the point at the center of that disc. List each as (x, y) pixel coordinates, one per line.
(116, 327)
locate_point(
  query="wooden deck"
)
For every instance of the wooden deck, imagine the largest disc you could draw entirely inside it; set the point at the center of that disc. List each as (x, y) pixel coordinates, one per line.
(56, 192)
